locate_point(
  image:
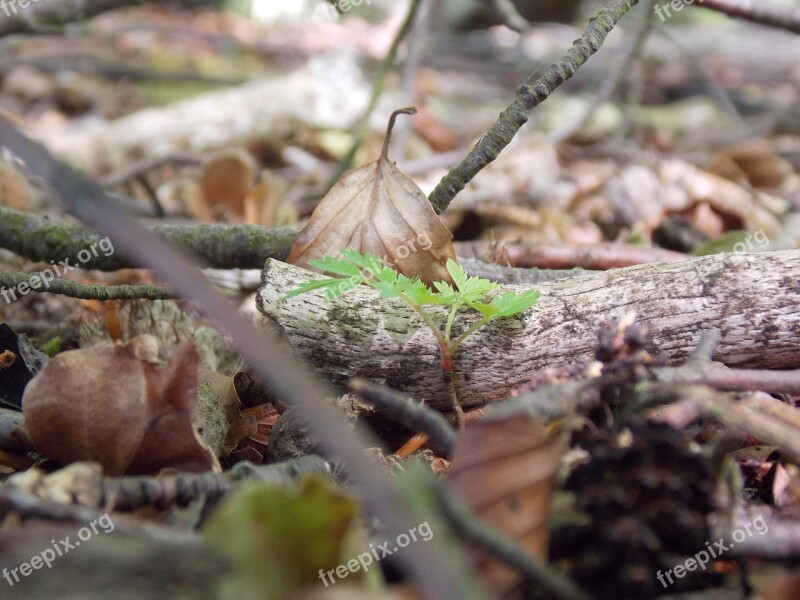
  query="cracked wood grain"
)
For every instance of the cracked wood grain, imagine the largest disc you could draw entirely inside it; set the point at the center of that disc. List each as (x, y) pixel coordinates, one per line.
(753, 299)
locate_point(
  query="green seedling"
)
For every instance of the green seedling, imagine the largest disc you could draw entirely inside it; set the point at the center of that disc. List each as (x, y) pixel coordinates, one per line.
(351, 269)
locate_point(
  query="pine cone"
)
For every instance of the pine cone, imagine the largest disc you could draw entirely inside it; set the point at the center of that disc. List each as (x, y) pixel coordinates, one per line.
(648, 493)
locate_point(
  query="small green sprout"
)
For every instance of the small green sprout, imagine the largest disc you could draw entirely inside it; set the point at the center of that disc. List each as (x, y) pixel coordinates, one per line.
(353, 269)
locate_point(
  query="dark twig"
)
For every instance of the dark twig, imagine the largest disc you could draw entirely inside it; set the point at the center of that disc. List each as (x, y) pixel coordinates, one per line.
(29, 505)
(506, 549)
(510, 15)
(130, 493)
(143, 167)
(699, 370)
(408, 413)
(138, 172)
(528, 97)
(10, 282)
(273, 365)
(773, 16)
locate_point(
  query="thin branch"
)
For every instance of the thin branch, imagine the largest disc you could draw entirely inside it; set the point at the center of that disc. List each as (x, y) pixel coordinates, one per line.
(402, 409)
(30, 505)
(597, 256)
(510, 15)
(10, 287)
(40, 239)
(699, 370)
(131, 493)
(274, 365)
(142, 167)
(44, 17)
(377, 90)
(722, 378)
(528, 97)
(773, 16)
(766, 424)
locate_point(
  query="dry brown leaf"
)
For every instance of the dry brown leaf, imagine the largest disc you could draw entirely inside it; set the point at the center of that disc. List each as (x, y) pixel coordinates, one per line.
(227, 180)
(113, 404)
(755, 163)
(377, 209)
(505, 470)
(14, 189)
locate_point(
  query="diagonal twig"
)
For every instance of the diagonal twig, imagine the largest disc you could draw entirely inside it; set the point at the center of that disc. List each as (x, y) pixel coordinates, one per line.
(773, 16)
(529, 95)
(437, 574)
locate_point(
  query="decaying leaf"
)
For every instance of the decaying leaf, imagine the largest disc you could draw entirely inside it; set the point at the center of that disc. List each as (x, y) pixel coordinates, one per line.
(377, 209)
(505, 470)
(114, 404)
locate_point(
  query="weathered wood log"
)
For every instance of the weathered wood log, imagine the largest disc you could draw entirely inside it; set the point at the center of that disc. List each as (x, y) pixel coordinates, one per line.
(753, 299)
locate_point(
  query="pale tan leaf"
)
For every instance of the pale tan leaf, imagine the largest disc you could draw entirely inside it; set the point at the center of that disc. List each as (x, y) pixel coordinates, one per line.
(377, 209)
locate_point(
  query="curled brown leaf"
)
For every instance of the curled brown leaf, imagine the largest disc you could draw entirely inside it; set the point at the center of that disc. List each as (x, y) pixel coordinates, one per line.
(111, 404)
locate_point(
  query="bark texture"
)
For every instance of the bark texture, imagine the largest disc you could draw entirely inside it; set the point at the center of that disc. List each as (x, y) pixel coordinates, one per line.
(754, 299)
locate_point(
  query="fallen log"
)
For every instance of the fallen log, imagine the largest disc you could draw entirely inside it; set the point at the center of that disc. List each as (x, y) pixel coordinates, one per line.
(753, 299)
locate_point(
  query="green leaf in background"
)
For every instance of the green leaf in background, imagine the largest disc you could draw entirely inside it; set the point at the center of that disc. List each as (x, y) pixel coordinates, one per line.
(723, 243)
(278, 538)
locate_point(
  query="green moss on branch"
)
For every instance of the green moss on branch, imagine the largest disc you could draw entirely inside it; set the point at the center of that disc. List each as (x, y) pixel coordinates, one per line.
(15, 285)
(41, 239)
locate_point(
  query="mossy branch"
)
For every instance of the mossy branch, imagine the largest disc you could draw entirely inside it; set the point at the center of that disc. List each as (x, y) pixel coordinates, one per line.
(528, 97)
(41, 239)
(33, 282)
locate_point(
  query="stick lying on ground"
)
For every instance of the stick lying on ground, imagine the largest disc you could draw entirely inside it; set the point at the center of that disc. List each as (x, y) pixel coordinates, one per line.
(752, 299)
